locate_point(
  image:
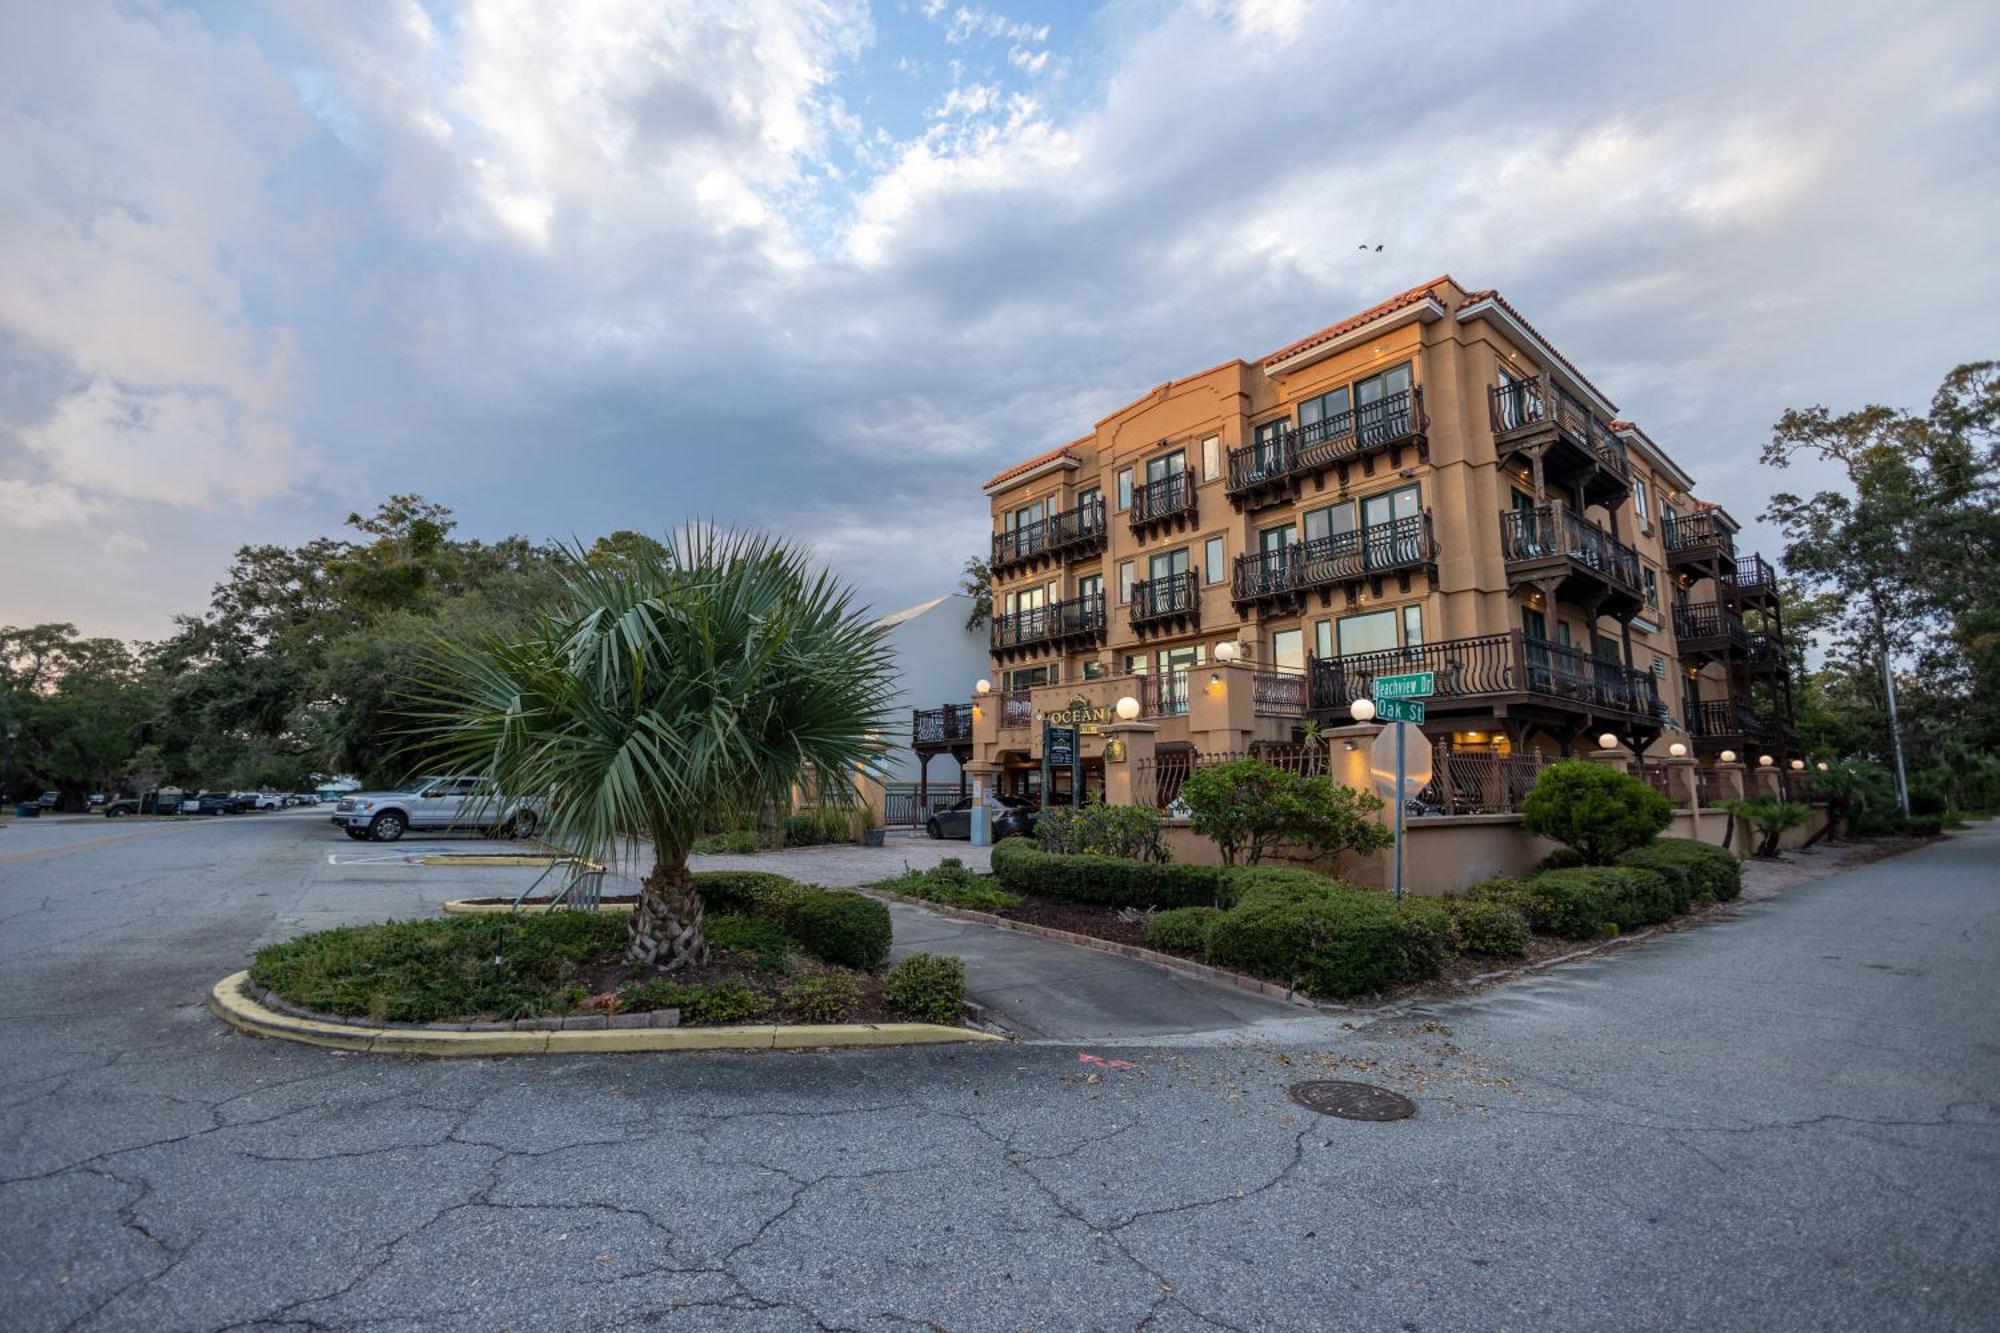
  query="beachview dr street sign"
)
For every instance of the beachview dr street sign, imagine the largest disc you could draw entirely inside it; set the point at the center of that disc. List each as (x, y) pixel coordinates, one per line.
(1411, 685)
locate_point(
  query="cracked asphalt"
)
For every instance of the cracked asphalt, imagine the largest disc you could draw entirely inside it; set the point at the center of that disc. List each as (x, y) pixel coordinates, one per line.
(1786, 1120)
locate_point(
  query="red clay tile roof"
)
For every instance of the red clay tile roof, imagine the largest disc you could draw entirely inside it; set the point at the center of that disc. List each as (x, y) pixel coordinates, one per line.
(1493, 295)
(1060, 451)
(1353, 322)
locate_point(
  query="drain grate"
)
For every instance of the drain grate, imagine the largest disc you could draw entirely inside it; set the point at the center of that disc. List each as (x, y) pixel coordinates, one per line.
(1352, 1101)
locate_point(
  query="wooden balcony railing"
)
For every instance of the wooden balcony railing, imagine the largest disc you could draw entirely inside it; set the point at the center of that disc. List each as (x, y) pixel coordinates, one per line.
(1074, 617)
(1709, 626)
(1171, 496)
(1172, 597)
(1399, 546)
(1527, 407)
(1393, 420)
(1078, 530)
(1698, 536)
(940, 726)
(1722, 719)
(1490, 666)
(1754, 579)
(1548, 532)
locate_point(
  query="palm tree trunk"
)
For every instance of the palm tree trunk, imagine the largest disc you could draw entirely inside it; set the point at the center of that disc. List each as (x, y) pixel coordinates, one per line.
(666, 921)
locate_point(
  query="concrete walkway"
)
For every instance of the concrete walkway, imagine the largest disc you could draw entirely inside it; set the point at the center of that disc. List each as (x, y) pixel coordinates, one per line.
(1033, 987)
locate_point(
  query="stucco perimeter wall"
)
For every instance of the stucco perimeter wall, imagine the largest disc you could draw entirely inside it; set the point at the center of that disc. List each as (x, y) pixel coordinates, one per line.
(1448, 855)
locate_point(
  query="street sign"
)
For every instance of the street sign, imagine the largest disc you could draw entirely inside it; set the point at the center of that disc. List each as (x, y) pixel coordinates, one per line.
(1400, 710)
(1399, 762)
(1411, 685)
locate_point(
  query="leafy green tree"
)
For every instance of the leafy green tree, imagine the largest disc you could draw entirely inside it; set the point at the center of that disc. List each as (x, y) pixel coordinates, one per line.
(654, 698)
(1771, 818)
(1247, 807)
(1851, 788)
(978, 585)
(1595, 811)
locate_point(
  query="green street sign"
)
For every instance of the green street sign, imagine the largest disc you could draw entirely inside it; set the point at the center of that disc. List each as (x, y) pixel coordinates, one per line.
(1413, 685)
(1400, 710)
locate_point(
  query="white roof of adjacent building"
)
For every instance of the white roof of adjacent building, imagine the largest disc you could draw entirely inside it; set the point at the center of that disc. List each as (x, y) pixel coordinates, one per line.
(912, 612)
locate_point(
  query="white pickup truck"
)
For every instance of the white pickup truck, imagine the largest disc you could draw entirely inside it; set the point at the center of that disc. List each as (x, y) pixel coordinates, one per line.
(445, 804)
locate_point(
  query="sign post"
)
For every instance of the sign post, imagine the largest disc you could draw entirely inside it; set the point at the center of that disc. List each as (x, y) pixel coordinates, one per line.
(1398, 704)
(1062, 747)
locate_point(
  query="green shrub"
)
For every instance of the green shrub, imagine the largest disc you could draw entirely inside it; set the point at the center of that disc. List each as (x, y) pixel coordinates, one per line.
(1248, 806)
(1328, 940)
(1021, 867)
(1128, 831)
(1244, 879)
(1920, 826)
(841, 926)
(1713, 872)
(730, 1001)
(952, 883)
(736, 842)
(926, 986)
(1486, 926)
(1182, 929)
(812, 828)
(756, 936)
(830, 998)
(1580, 903)
(440, 970)
(1562, 858)
(1595, 811)
(1771, 818)
(748, 892)
(654, 993)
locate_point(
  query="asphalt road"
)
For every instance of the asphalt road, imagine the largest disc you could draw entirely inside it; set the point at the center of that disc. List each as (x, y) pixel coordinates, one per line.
(1790, 1120)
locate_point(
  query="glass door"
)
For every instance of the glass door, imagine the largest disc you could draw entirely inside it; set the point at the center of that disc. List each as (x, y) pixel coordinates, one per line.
(1391, 532)
(1382, 406)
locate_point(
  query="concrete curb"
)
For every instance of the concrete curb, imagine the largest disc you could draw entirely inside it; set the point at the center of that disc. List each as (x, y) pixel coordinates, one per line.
(231, 1001)
(1186, 967)
(488, 859)
(474, 907)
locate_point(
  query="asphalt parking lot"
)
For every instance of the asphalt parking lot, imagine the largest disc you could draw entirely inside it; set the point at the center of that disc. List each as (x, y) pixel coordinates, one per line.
(1788, 1120)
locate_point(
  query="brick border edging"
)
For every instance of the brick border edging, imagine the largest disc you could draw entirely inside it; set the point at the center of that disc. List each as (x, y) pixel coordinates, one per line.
(1169, 961)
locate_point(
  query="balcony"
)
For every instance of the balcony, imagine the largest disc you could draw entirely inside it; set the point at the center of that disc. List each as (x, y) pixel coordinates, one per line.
(1766, 653)
(1723, 724)
(1550, 545)
(1754, 583)
(946, 728)
(1502, 675)
(1281, 580)
(1709, 630)
(1539, 417)
(1070, 535)
(1273, 471)
(1168, 501)
(1074, 622)
(1162, 605)
(1701, 541)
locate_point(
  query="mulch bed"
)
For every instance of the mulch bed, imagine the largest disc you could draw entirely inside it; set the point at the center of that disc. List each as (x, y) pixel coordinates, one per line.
(1078, 918)
(604, 974)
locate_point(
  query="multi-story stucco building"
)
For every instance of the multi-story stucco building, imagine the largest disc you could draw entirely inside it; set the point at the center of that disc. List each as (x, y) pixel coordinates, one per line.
(1427, 485)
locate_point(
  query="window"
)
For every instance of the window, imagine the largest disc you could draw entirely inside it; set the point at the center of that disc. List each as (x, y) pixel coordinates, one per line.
(1268, 444)
(1288, 649)
(1413, 625)
(1276, 539)
(1024, 678)
(1534, 624)
(1607, 648)
(1167, 465)
(1370, 632)
(1135, 664)
(1652, 587)
(1167, 564)
(1324, 417)
(1125, 488)
(1211, 458)
(1087, 501)
(1124, 581)
(1388, 506)
(1323, 638)
(1562, 633)
(1382, 405)
(1639, 504)
(1093, 669)
(1090, 586)
(1332, 521)
(1212, 558)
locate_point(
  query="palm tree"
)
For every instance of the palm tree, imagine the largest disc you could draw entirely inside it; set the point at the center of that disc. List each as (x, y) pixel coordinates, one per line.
(658, 694)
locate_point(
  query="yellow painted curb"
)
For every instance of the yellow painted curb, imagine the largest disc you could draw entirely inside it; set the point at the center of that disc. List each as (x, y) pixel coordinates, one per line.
(489, 859)
(472, 907)
(234, 1006)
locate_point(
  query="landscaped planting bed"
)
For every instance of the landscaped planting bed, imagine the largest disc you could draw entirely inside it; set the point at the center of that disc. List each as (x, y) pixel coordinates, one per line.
(788, 954)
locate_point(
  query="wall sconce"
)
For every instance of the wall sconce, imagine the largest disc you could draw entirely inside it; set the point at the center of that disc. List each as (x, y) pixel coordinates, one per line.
(1215, 678)
(1348, 746)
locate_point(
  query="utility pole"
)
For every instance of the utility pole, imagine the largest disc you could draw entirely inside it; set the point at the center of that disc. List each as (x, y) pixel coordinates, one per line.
(1895, 731)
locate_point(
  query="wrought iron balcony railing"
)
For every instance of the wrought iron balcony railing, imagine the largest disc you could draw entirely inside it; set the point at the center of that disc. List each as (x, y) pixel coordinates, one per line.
(1547, 532)
(1344, 557)
(1388, 421)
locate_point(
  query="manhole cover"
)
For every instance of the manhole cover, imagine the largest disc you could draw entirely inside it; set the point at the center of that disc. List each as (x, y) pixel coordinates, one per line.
(1352, 1101)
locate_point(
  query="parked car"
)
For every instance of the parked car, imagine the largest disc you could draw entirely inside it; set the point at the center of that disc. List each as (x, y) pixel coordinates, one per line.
(96, 799)
(50, 800)
(455, 803)
(211, 803)
(264, 800)
(1011, 817)
(122, 805)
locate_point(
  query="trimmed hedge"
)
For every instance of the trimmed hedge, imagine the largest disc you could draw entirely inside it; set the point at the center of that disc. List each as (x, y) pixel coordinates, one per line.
(841, 926)
(748, 892)
(1485, 926)
(1590, 900)
(1692, 869)
(1329, 940)
(1182, 929)
(927, 986)
(1021, 867)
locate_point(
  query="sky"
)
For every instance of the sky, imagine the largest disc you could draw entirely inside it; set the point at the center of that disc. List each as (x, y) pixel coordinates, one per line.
(824, 266)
